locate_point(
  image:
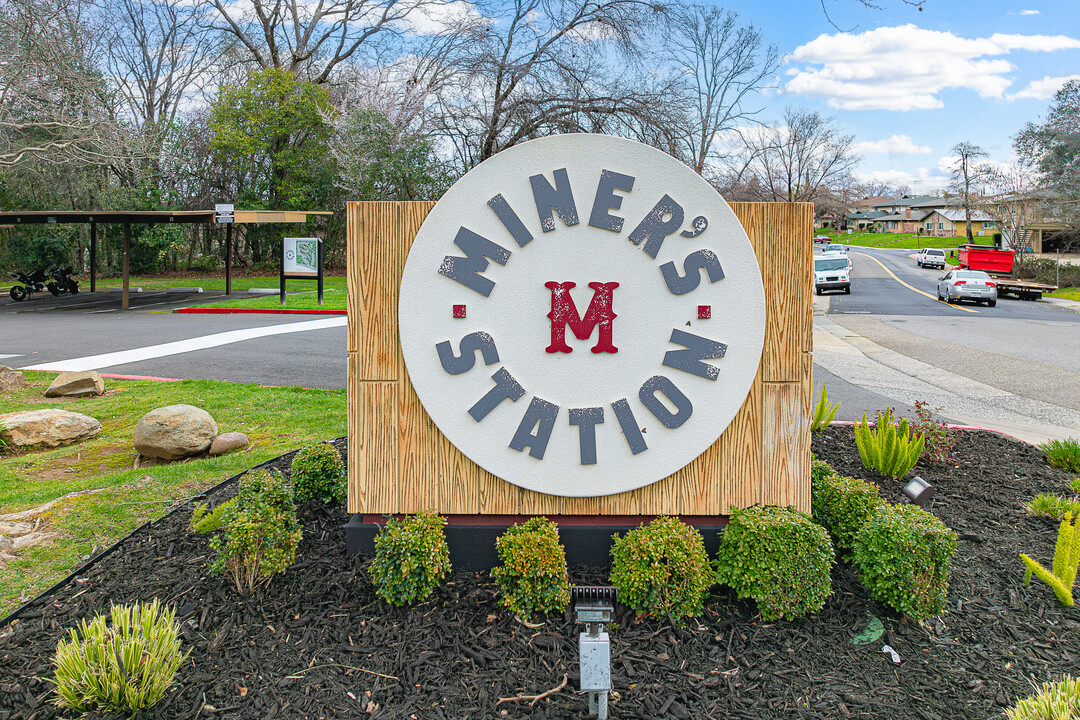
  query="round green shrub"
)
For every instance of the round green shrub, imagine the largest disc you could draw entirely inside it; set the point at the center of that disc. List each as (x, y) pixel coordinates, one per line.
(902, 555)
(411, 557)
(319, 474)
(661, 569)
(843, 505)
(122, 666)
(1054, 701)
(261, 531)
(779, 557)
(533, 576)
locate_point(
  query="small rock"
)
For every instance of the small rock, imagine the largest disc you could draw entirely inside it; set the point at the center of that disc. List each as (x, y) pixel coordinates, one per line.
(226, 442)
(6, 543)
(75, 384)
(174, 432)
(49, 428)
(11, 379)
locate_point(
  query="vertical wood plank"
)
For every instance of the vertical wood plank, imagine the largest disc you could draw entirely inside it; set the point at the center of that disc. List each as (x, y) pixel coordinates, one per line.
(785, 443)
(419, 450)
(458, 480)
(373, 452)
(741, 457)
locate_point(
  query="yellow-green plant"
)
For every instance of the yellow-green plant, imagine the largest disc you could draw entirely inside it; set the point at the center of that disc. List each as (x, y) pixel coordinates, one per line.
(1064, 454)
(120, 667)
(204, 521)
(319, 474)
(411, 558)
(888, 447)
(1062, 574)
(662, 569)
(1053, 506)
(533, 575)
(1054, 701)
(824, 412)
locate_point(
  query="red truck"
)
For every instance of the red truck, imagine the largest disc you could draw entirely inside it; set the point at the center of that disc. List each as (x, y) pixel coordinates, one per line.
(998, 264)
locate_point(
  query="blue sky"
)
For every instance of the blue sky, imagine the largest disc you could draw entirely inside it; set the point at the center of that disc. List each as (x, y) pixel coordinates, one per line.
(910, 83)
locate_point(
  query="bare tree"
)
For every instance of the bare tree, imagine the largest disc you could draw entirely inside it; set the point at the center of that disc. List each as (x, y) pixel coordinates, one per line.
(540, 67)
(54, 105)
(794, 161)
(1012, 199)
(310, 39)
(723, 64)
(966, 171)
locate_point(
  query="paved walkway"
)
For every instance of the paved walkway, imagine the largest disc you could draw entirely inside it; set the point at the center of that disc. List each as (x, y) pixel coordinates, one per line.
(870, 366)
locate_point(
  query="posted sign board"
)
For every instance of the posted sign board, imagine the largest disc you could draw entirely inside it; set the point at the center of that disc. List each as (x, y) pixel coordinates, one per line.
(301, 258)
(581, 315)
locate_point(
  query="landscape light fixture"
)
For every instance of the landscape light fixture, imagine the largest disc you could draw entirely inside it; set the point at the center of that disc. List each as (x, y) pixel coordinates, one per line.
(919, 491)
(594, 605)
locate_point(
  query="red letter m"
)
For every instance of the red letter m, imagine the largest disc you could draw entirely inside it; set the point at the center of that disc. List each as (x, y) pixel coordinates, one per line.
(564, 312)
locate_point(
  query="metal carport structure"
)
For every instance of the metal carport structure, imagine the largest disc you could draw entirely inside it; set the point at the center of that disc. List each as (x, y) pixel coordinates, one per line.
(127, 218)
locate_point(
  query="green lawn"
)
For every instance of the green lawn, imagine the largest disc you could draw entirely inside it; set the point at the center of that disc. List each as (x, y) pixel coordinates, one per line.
(276, 420)
(333, 299)
(893, 240)
(213, 284)
(1067, 293)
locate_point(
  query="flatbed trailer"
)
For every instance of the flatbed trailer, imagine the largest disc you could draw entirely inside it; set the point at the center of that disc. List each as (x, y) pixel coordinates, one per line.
(998, 264)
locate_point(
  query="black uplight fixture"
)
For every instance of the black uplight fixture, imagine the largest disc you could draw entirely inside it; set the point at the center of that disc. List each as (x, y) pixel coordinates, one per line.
(918, 491)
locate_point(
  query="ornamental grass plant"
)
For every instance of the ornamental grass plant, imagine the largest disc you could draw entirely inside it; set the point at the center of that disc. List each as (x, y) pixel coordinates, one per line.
(411, 558)
(661, 569)
(120, 664)
(778, 557)
(889, 447)
(532, 575)
(1054, 701)
(1062, 574)
(1064, 454)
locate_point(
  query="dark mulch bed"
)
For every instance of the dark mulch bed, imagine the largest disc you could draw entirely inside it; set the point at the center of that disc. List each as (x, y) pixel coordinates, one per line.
(317, 642)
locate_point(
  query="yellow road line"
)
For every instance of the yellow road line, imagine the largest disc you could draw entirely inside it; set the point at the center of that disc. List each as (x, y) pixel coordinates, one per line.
(909, 287)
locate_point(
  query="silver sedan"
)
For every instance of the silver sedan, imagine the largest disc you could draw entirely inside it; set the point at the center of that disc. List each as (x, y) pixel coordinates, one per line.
(975, 285)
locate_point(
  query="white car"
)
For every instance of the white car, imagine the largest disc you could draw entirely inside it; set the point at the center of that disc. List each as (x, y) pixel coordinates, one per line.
(931, 257)
(957, 285)
(831, 273)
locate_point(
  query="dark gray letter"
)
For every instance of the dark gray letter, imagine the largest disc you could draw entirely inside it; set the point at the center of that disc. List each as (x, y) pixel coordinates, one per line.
(693, 264)
(606, 199)
(542, 414)
(559, 198)
(698, 349)
(654, 228)
(630, 429)
(684, 408)
(510, 220)
(466, 269)
(587, 419)
(469, 345)
(505, 387)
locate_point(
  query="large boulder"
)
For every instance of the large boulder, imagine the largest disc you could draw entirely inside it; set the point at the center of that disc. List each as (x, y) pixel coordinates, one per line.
(227, 442)
(87, 382)
(174, 432)
(11, 379)
(46, 428)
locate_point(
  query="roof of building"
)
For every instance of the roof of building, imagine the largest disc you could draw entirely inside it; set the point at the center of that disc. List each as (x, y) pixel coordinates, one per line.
(865, 214)
(916, 216)
(905, 201)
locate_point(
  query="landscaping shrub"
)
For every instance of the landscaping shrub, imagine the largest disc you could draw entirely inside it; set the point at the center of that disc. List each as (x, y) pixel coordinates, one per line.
(661, 569)
(1062, 574)
(889, 447)
(122, 666)
(902, 554)
(203, 522)
(1054, 701)
(533, 576)
(261, 531)
(1074, 485)
(779, 557)
(318, 474)
(940, 439)
(1064, 454)
(1053, 506)
(411, 557)
(842, 505)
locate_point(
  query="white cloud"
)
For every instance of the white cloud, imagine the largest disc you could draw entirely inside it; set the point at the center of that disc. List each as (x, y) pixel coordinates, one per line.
(439, 17)
(923, 180)
(895, 145)
(1043, 89)
(905, 67)
(1029, 12)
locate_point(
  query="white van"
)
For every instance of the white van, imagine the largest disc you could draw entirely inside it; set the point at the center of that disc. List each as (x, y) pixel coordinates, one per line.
(831, 273)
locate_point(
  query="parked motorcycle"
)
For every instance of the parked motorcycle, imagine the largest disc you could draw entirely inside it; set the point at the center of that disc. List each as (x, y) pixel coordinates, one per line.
(61, 282)
(32, 283)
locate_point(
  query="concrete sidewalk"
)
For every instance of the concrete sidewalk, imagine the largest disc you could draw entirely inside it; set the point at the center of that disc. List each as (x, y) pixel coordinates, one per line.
(904, 380)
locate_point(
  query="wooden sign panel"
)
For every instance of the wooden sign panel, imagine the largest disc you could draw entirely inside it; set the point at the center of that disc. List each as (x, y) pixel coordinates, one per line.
(399, 462)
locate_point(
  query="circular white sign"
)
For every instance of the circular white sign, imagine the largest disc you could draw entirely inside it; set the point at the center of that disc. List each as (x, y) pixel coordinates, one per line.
(582, 315)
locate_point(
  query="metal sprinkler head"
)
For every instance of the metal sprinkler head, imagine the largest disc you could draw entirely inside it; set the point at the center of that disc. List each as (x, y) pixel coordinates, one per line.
(594, 606)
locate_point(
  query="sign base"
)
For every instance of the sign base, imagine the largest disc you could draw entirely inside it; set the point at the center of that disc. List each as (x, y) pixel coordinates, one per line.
(587, 538)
